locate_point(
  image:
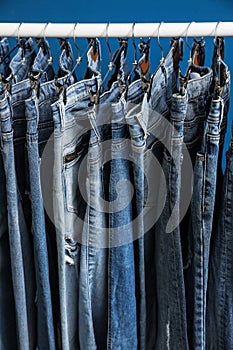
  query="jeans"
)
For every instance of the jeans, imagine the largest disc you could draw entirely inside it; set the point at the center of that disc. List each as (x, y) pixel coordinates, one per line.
(7, 306)
(16, 254)
(122, 313)
(219, 302)
(202, 210)
(197, 90)
(70, 126)
(20, 92)
(168, 252)
(45, 324)
(155, 116)
(137, 135)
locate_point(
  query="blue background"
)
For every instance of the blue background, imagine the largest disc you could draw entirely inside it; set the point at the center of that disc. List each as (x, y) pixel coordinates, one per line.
(125, 11)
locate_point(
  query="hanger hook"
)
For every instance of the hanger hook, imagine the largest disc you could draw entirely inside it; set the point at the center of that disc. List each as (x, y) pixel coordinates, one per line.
(107, 42)
(50, 59)
(44, 31)
(134, 46)
(215, 32)
(76, 45)
(18, 37)
(133, 26)
(158, 37)
(186, 40)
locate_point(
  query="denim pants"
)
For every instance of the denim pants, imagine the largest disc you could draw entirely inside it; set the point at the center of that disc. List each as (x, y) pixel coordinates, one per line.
(137, 134)
(219, 301)
(16, 254)
(202, 210)
(7, 306)
(155, 115)
(20, 92)
(197, 90)
(168, 252)
(38, 113)
(45, 324)
(122, 312)
(71, 127)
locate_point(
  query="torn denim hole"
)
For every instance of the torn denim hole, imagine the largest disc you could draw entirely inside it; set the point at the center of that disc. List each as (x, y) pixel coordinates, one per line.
(71, 250)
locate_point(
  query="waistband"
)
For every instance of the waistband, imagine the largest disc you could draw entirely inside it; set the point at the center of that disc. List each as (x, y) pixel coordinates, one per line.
(200, 86)
(81, 90)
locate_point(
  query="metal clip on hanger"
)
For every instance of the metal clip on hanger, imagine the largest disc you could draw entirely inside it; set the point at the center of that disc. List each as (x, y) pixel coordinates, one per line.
(218, 76)
(160, 46)
(183, 80)
(79, 57)
(111, 63)
(135, 62)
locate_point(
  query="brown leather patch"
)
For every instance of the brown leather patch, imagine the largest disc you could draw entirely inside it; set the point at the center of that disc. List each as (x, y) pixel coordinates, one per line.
(70, 157)
(144, 66)
(196, 58)
(94, 55)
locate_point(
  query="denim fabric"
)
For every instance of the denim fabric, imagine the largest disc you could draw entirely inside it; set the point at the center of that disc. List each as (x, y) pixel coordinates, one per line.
(24, 245)
(198, 93)
(202, 210)
(70, 125)
(66, 61)
(137, 135)
(7, 306)
(20, 92)
(17, 265)
(4, 58)
(170, 296)
(155, 113)
(96, 228)
(219, 301)
(72, 134)
(122, 312)
(45, 325)
(38, 113)
(42, 64)
(22, 62)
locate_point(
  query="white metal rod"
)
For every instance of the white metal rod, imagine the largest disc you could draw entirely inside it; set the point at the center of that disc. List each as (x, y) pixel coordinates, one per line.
(87, 30)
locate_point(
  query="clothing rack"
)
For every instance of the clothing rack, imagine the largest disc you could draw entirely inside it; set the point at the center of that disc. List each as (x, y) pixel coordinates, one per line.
(87, 30)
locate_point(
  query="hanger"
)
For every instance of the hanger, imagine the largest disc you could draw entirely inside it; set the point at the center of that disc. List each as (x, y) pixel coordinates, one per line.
(111, 63)
(160, 66)
(118, 60)
(183, 79)
(218, 66)
(79, 57)
(160, 46)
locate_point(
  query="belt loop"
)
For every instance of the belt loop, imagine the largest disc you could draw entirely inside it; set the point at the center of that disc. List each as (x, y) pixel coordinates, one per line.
(221, 112)
(92, 119)
(61, 107)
